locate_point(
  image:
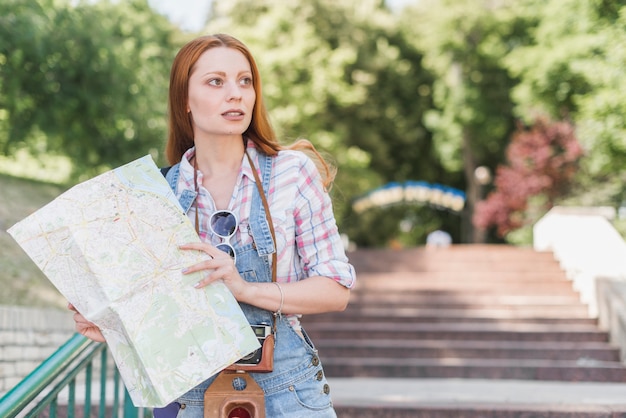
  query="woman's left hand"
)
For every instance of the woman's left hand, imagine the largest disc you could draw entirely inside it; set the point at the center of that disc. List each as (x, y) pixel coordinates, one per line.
(219, 267)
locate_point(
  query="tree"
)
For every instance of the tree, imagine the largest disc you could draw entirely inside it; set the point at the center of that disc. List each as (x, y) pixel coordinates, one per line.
(342, 75)
(464, 44)
(575, 68)
(542, 161)
(88, 81)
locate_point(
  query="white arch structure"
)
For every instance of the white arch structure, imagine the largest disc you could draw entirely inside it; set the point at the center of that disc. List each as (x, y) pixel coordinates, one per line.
(437, 195)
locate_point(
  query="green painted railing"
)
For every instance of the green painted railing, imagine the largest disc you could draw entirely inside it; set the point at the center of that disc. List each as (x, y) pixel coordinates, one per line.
(71, 366)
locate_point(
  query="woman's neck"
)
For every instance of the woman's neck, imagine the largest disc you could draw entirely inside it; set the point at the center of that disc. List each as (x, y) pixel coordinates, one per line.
(219, 156)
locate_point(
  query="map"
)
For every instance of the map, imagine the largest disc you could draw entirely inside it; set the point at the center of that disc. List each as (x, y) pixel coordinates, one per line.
(110, 246)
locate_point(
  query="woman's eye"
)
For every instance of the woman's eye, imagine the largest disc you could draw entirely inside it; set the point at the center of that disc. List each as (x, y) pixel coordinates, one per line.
(215, 82)
(246, 81)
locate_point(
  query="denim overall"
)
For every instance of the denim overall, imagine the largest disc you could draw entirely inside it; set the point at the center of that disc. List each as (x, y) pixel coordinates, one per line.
(297, 386)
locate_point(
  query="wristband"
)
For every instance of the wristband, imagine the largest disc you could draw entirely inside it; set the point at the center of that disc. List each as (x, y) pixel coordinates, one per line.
(279, 312)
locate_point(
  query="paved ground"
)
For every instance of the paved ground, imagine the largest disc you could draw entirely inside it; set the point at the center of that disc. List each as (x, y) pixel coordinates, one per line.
(409, 392)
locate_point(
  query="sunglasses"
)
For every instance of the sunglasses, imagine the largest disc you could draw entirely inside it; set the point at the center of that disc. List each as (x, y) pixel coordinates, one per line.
(223, 223)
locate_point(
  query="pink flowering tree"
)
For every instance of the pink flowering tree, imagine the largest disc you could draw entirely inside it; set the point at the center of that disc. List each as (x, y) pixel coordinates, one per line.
(541, 163)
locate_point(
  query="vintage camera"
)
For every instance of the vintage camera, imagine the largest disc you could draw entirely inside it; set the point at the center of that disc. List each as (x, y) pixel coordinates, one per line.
(262, 332)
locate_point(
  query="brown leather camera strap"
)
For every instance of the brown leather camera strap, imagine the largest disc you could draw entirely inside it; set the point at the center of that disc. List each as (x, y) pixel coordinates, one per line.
(268, 216)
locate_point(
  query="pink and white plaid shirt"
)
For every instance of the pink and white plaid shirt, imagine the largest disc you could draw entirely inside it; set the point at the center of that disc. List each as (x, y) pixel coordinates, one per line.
(307, 238)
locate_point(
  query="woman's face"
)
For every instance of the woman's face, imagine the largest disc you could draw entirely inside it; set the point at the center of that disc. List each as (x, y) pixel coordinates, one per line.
(221, 93)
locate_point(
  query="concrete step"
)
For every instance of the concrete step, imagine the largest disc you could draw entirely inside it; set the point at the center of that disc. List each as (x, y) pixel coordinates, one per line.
(432, 349)
(460, 332)
(469, 309)
(454, 258)
(459, 286)
(452, 332)
(552, 370)
(475, 398)
(461, 275)
(480, 410)
(464, 298)
(441, 315)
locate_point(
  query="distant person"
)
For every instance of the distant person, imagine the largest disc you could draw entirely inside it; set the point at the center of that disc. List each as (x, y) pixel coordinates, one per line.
(438, 239)
(220, 139)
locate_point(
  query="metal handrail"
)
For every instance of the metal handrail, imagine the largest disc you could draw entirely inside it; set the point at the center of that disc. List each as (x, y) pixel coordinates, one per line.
(41, 388)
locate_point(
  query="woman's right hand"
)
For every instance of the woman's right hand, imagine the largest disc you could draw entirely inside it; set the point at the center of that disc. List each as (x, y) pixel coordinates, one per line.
(84, 327)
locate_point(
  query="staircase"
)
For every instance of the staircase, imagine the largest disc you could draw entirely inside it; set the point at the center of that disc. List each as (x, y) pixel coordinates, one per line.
(491, 315)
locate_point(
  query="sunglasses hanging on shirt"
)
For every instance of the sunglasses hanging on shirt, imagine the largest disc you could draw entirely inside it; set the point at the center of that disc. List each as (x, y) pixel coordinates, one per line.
(223, 223)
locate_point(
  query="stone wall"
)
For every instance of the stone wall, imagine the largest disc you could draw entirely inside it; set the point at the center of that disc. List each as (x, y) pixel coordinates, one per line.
(586, 245)
(28, 336)
(612, 310)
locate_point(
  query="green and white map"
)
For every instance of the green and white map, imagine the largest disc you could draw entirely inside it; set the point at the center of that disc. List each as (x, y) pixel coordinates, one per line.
(110, 246)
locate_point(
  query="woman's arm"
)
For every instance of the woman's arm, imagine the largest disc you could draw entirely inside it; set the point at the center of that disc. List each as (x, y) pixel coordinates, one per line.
(315, 294)
(312, 295)
(324, 276)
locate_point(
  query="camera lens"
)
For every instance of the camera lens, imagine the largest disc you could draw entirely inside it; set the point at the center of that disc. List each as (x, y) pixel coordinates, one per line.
(239, 412)
(239, 383)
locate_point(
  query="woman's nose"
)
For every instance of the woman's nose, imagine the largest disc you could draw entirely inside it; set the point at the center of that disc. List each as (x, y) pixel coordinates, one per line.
(234, 92)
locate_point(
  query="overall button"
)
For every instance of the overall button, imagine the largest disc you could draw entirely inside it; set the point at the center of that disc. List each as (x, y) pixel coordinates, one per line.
(319, 375)
(326, 389)
(315, 361)
(183, 406)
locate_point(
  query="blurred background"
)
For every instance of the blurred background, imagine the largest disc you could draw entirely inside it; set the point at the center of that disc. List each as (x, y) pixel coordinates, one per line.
(474, 117)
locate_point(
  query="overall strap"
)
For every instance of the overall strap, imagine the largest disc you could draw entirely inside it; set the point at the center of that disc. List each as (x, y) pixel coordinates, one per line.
(188, 196)
(266, 168)
(261, 223)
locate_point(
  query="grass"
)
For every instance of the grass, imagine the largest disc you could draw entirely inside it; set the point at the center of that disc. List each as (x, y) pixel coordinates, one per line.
(21, 280)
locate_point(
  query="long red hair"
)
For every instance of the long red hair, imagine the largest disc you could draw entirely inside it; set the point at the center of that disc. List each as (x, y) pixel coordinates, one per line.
(260, 131)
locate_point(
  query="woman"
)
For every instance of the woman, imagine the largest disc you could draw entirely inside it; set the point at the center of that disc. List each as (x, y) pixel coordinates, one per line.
(219, 138)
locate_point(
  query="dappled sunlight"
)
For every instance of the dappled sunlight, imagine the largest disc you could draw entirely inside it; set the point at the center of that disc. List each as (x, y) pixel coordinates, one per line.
(49, 169)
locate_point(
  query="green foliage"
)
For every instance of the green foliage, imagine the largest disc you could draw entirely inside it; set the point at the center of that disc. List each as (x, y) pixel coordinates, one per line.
(427, 94)
(464, 43)
(342, 75)
(575, 67)
(88, 81)
(399, 225)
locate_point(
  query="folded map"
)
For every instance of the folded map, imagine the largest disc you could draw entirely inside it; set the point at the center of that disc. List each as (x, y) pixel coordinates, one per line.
(110, 246)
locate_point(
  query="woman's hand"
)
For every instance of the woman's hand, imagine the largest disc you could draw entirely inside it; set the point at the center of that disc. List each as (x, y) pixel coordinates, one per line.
(86, 328)
(219, 267)
(315, 294)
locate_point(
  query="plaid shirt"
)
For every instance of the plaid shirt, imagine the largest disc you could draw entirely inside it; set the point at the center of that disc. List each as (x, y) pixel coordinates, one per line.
(307, 238)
